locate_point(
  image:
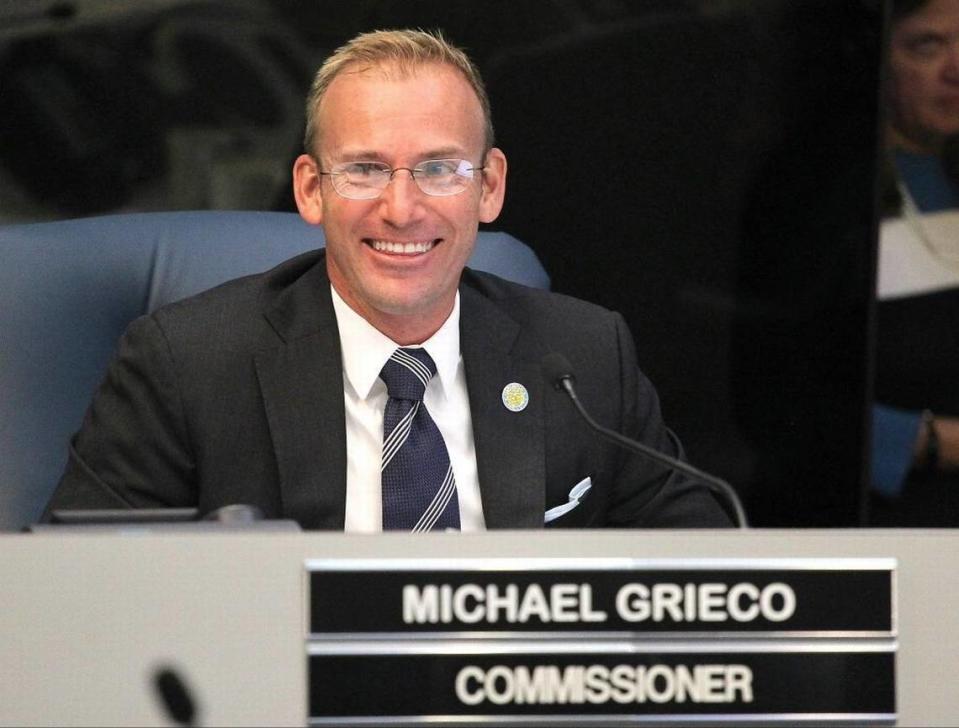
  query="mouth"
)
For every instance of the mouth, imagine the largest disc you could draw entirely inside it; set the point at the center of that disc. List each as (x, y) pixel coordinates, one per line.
(405, 248)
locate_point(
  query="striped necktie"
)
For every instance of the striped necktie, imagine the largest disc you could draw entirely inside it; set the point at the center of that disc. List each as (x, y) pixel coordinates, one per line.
(419, 490)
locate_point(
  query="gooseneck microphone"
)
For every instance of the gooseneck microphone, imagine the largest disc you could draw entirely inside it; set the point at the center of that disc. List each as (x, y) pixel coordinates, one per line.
(559, 373)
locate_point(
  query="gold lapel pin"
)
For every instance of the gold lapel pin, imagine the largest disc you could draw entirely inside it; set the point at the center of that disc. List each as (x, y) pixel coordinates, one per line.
(515, 397)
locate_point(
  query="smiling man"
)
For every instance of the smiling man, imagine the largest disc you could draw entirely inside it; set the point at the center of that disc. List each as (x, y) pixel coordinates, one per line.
(380, 384)
(395, 254)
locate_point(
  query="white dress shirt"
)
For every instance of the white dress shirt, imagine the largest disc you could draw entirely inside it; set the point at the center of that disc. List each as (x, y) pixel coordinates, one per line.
(365, 351)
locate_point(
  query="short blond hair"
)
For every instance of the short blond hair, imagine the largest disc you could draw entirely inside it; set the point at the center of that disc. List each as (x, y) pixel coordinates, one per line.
(405, 50)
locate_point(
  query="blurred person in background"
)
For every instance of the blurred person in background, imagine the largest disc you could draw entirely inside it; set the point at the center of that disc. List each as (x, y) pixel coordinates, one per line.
(916, 418)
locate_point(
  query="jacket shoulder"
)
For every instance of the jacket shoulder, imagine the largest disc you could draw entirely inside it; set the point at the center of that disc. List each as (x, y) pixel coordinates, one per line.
(234, 313)
(535, 306)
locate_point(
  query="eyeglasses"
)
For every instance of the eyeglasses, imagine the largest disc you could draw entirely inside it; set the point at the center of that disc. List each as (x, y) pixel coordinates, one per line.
(367, 180)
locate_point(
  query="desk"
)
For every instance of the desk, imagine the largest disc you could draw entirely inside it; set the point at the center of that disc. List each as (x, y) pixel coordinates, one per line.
(86, 617)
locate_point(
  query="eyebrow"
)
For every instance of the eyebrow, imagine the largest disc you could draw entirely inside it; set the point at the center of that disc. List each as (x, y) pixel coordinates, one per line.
(921, 35)
(360, 155)
(368, 155)
(927, 32)
(444, 153)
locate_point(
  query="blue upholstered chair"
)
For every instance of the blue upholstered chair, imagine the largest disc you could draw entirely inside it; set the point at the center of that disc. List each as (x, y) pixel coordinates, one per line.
(68, 289)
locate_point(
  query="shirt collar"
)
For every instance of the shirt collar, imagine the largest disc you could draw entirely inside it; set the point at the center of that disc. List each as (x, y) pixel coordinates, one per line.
(365, 349)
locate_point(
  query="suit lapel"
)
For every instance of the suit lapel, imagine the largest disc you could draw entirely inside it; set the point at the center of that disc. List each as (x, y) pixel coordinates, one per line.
(510, 446)
(301, 382)
(302, 386)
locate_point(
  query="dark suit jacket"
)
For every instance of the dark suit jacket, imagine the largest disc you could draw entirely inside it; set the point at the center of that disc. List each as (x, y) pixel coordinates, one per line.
(236, 396)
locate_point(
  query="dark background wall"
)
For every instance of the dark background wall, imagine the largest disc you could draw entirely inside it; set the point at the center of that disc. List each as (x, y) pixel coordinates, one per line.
(705, 167)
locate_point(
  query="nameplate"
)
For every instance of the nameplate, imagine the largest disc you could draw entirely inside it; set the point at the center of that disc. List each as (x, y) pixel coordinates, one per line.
(590, 598)
(644, 684)
(580, 642)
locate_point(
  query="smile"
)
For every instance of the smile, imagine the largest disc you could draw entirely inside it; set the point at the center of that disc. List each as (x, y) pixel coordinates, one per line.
(410, 248)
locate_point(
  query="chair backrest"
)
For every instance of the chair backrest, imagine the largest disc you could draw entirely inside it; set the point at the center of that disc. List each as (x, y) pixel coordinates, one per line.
(68, 289)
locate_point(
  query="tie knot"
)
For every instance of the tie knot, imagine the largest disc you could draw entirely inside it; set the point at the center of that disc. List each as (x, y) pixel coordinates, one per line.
(407, 373)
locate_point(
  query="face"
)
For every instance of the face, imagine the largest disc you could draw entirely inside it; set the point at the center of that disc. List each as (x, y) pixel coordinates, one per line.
(924, 66)
(400, 120)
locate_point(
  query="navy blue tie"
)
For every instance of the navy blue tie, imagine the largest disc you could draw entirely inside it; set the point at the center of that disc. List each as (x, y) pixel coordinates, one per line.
(419, 490)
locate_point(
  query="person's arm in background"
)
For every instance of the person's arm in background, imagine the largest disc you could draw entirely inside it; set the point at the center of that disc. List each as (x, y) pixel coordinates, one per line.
(901, 441)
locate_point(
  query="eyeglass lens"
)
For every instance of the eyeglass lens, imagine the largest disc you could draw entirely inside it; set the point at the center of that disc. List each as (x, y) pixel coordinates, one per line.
(436, 177)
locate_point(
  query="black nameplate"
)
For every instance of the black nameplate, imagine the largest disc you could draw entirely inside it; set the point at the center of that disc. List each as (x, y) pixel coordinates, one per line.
(800, 600)
(530, 687)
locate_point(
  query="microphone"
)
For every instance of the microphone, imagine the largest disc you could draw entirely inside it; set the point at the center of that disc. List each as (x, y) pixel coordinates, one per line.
(174, 696)
(559, 374)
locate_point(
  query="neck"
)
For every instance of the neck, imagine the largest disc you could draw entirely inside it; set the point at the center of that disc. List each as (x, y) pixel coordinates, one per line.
(930, 145)
(405, 332)
(404, 329)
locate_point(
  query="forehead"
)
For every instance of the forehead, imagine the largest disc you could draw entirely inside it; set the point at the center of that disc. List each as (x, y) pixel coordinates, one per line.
(391, 109)
(938, 16)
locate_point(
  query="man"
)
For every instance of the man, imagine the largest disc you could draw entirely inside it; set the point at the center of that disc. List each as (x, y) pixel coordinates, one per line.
(272, 390)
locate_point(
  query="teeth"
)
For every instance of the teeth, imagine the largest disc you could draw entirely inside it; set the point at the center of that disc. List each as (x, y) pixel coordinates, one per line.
(387, 246)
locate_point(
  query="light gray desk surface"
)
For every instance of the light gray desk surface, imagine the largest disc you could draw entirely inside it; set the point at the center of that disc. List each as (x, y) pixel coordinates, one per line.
(85, 618)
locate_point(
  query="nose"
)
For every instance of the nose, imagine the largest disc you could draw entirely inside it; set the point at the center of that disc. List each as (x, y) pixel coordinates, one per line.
(951, 68)
(400, 202)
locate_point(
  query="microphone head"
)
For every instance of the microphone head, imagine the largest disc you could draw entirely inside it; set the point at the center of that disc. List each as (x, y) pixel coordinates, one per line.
(174, 696)
(556, 368)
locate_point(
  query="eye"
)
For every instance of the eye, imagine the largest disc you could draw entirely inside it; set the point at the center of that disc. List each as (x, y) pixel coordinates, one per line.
(925, 46)
(359, 170)
(437, 168)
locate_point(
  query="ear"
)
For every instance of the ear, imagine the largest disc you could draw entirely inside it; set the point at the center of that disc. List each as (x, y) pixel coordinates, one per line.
(307, 189)
(494, 185)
